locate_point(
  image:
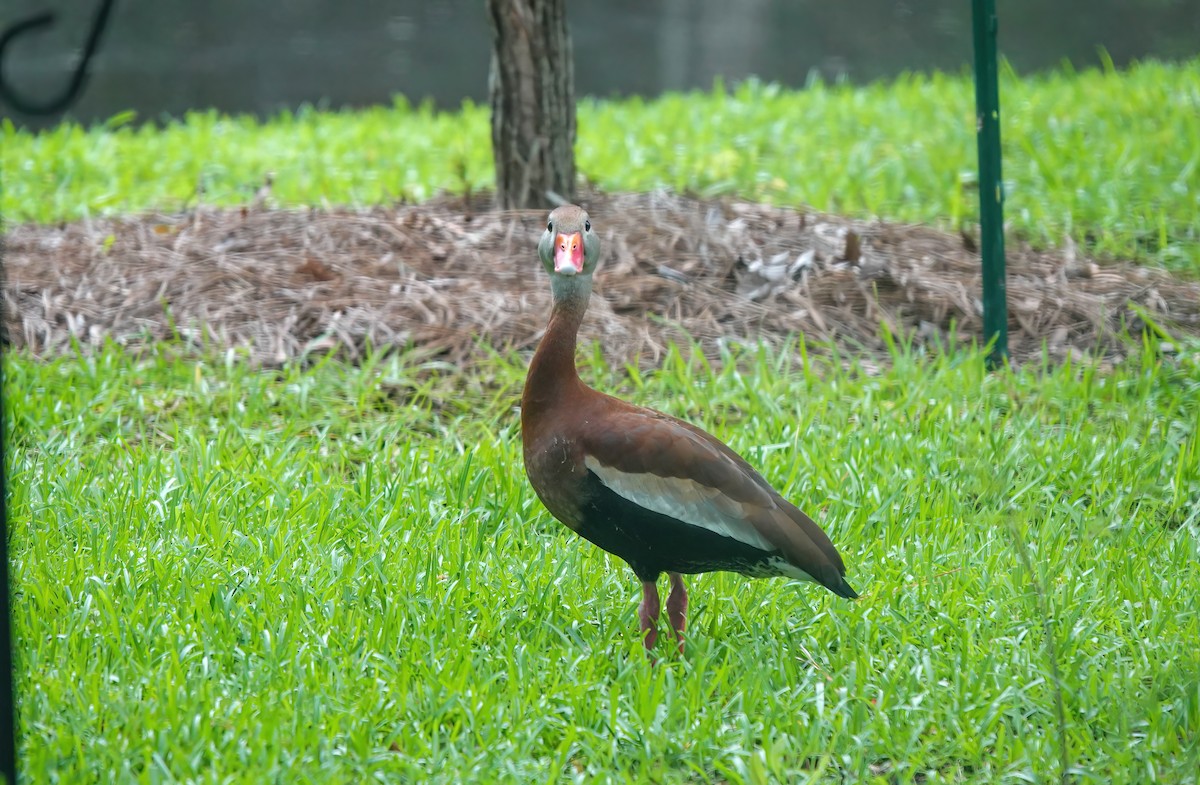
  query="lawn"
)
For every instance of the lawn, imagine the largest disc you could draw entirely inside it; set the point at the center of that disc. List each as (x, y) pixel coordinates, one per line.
(340, 574)
(1105, 157)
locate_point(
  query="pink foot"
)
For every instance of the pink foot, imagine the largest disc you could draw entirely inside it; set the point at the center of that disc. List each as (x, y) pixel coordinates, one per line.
(648, 614)
(677, 603)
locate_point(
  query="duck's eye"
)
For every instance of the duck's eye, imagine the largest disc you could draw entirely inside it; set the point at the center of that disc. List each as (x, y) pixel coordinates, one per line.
(587, 226)
(550, 226)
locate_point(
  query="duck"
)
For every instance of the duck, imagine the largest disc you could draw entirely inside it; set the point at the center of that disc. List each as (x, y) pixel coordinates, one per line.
(655, 491)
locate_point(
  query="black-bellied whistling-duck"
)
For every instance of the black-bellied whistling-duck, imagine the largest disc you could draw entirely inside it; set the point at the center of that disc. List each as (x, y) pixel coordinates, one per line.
(661, 494)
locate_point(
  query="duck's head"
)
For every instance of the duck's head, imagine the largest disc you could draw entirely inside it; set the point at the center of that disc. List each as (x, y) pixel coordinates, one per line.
(569, 246)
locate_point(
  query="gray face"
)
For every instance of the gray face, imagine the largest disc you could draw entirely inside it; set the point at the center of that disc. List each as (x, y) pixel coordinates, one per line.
(569, 246)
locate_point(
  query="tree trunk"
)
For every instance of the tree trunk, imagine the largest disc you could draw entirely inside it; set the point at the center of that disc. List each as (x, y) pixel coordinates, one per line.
(532, 90)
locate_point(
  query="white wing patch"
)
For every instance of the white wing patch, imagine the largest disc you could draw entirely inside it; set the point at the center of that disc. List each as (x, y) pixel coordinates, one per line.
(781, 566)
(685, 500)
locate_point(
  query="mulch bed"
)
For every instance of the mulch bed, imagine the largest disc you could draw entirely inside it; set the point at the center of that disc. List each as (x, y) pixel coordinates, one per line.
(458, 279)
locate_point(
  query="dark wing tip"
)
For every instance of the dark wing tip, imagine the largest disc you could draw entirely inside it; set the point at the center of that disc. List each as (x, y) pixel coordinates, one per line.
(834, 579)
(843, 589)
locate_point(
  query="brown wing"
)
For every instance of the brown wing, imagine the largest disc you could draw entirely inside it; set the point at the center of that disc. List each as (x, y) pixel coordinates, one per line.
(674, 468)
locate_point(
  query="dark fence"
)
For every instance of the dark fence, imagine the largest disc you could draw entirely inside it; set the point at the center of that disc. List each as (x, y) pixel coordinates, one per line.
(260, 56)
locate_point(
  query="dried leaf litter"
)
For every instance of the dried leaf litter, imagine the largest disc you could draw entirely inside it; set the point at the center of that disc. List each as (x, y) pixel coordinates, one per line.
(459, 280)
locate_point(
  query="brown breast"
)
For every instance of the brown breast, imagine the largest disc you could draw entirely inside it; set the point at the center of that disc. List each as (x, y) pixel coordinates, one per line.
(554, 463)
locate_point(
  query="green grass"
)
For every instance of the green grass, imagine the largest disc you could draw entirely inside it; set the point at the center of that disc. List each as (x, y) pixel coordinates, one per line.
(1108, 158)
(340, 574)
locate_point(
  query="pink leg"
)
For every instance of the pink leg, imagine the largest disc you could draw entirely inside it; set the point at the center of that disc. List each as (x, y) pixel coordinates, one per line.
(677, 603)
(648, 613)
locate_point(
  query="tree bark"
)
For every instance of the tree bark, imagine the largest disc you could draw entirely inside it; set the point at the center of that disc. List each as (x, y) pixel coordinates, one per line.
(532, 88)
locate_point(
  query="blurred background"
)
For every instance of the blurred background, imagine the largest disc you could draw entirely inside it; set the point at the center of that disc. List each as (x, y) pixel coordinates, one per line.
(162, 59)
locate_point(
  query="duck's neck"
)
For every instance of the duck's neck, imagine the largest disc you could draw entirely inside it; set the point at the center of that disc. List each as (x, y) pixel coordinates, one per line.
(552, 372)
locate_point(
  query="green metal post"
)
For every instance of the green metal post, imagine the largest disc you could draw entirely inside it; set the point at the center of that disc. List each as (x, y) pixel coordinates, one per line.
(991, 185)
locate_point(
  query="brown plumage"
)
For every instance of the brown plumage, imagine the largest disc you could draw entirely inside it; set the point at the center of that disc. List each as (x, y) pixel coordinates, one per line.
(661, 494)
